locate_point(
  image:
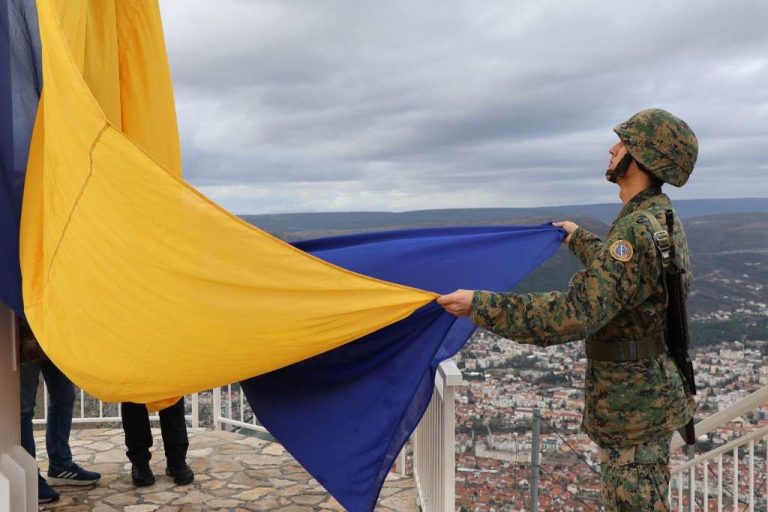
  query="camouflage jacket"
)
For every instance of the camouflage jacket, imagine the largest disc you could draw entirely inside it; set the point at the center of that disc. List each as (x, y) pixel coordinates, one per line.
(618, 296)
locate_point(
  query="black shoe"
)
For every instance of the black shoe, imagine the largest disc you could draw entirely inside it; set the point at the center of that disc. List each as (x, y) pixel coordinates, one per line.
(141, 474)
(44, 492)
(181, 473)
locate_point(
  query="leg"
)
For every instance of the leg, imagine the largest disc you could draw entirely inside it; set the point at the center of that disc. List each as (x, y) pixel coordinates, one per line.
(138, 436)
(637, 478)
(30, 378)
(138, 440)
(174, 429)
(61, 401)
(636, 487)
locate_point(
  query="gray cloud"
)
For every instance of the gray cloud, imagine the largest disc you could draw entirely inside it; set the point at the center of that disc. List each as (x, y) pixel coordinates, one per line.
(299, 105)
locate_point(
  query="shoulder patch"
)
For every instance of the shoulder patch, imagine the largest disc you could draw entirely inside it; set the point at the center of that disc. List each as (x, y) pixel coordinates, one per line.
(621, 250)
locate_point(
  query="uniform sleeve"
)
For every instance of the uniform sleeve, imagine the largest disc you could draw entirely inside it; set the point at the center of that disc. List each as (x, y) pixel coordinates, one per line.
(585, 245)
(595, 295)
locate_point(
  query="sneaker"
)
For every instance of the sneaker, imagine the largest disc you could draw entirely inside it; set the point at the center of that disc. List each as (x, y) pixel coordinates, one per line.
(44, 492)
(182, 474)
(73, 475)
(141, 474)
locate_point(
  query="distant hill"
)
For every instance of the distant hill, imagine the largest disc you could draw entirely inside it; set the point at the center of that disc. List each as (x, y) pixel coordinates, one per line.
(728, 240)
(729, 254)
(304, 225)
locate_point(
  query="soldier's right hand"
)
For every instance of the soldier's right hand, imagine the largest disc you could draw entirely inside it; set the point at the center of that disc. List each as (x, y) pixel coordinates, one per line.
(569, 228)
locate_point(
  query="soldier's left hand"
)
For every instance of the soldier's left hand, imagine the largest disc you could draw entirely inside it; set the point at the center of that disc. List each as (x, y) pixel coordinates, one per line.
(569, 227)
(458, 303)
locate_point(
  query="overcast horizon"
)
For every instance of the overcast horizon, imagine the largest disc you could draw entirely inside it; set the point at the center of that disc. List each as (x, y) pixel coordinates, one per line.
(342, 105)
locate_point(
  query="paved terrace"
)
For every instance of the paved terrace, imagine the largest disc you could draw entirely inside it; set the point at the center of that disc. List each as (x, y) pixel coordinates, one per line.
(232, 473)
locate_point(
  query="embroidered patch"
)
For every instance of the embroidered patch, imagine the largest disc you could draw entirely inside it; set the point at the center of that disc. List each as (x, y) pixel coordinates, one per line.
(622, 250)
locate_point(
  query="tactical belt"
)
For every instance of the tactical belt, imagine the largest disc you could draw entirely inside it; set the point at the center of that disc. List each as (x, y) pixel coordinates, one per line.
(629, 350)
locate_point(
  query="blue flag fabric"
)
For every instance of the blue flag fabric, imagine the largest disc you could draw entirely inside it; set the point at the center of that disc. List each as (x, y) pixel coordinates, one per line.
(20, 85)
(346, 414)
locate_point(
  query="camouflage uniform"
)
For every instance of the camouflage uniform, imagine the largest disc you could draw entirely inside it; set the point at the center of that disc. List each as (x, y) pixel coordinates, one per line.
(637, 478)
(632, 407)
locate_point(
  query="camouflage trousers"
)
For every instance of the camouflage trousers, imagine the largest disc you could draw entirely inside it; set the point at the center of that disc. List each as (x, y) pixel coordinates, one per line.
(636, 479)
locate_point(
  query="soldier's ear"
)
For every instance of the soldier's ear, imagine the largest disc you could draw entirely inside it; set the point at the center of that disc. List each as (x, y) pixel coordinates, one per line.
(633, 169)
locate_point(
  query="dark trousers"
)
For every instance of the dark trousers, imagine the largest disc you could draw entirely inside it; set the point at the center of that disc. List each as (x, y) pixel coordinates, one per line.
(138, 436)
(61, 400)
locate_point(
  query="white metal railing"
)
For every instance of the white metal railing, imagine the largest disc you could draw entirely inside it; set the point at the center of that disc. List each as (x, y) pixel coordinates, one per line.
(231, 408)
(725, 488)
(434, 457)
(112, 415)
(698, 485)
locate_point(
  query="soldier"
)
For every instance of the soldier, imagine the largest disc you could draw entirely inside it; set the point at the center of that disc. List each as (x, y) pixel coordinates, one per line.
(635, 396)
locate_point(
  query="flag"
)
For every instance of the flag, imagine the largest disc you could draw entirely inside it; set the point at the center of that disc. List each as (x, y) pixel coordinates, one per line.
(141, 289)
(20, 82)
(137, 286)
(346, 414)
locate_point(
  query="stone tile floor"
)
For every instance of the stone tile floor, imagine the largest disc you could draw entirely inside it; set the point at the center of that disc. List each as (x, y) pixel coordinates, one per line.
(233, 472)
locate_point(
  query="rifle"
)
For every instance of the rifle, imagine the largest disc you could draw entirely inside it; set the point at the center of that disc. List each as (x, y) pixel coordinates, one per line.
(676, 335)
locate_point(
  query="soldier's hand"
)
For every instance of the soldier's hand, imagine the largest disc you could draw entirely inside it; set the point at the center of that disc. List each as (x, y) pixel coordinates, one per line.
(458, 303)
(569, 228)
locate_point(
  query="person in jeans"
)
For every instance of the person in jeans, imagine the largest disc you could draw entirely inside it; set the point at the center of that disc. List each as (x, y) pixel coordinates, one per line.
(61, 400)
(138, 440)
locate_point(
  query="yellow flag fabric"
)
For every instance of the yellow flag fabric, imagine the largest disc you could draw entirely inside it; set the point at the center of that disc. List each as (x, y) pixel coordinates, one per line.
(138, 287)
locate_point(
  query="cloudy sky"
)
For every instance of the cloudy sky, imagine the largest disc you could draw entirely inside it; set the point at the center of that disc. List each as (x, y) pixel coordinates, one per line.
(331, 105)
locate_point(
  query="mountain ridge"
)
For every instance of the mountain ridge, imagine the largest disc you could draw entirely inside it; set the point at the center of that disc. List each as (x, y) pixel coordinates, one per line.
(289, 223)
(729, 252)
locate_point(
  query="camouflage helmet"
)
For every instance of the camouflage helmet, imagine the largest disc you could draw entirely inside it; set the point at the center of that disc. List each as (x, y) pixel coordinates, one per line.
(661, 143)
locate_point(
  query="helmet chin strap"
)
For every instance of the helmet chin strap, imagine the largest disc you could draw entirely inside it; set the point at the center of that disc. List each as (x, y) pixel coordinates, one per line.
(620, 170)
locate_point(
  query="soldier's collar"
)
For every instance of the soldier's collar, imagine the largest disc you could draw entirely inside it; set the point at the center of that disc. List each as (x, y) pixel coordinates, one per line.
(632, 204)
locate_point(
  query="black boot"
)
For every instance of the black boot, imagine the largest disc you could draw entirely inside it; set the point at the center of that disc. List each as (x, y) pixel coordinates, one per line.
(141, 474)
(181, 473)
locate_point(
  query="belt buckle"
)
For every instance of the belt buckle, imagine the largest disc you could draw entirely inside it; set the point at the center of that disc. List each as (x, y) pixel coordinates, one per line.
(632, 347)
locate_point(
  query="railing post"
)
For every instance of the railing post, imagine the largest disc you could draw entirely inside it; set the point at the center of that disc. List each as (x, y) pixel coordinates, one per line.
(434, 444)
(449, 447)
(400, 462)
(217, 408)
(195, 411)
(692, 489)
(736, 478)
(720, 483)
(451, 376)
(706, 487)
(752, 476)
(690, 450)
(418, 458)
(535, 461)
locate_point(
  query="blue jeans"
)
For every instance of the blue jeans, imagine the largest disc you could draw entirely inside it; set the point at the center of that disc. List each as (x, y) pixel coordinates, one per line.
(61, 401)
